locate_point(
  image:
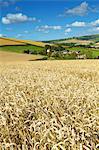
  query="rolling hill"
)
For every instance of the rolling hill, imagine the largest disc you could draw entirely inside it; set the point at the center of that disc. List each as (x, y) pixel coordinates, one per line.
(19, 46)
(94, 38)
(11, 41)
(78, 40)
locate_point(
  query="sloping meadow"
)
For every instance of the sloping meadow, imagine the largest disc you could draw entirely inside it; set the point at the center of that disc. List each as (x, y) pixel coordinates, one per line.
(49, 105)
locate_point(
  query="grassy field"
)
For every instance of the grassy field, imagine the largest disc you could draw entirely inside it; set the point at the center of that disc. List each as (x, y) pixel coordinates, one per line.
(38, 46)
(94, 37)
(49, 105)
(95, 52)
(20, 49)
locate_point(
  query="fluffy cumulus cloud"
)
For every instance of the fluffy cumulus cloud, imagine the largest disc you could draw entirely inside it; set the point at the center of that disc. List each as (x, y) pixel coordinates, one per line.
(26, 31)
(96, 29)
(46, 28)
(78, 24)
(2, 35)
(79, 10)
(95, 23)
(68, 30)
(16, 18)
(89, 27)
(19, 35)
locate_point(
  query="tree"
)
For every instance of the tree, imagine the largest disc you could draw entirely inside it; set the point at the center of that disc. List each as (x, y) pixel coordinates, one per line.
(47, 47)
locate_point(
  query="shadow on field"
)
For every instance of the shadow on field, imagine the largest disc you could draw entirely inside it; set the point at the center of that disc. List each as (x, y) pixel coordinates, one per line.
(36, 60)
(39, 59)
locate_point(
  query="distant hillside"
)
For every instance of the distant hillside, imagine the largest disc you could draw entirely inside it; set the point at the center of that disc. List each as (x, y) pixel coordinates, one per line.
(90, 37)
(9, 41)
(19, 46)
(80, 40)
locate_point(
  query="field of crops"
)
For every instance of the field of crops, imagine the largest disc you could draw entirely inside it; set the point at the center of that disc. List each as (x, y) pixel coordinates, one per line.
(4, 41)
(83, 42)
(49, 105)
(6, 57)
(12, 41)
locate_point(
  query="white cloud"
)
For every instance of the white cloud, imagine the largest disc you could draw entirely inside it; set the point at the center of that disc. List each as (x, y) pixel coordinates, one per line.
(56, 27)
(96, 29)
(79, 10)
(47, 28)
(68, 25)
(16, 18)
(32, 19)
(68, 30)
(26, 31)
(78, 24)
(2, 35)
(19, 35)
(95, 23)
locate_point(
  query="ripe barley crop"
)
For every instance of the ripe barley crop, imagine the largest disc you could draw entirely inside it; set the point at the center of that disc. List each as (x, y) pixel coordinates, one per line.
(49, 105)
(11, 41)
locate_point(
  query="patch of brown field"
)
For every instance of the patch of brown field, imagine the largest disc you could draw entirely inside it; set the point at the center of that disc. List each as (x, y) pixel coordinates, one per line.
(15, 57)
(85, 42)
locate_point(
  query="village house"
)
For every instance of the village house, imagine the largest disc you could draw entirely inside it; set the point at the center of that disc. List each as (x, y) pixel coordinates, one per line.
(83, 56)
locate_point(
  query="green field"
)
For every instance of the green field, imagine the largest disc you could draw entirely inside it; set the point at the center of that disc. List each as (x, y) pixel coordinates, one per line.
(95, 37)
(95, 52)
(20, 49)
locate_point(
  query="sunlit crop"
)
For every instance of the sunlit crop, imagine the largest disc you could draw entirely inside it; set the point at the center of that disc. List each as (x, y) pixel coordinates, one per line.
(12, 41)
(49, 105)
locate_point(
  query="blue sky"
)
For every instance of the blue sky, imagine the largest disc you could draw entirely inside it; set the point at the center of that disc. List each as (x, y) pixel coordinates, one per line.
(48, 19)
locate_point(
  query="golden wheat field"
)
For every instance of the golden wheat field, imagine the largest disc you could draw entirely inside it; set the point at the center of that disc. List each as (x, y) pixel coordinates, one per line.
(85, 42)
(49, 105)
(11, 41)
(6, 57)
(6, 41)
